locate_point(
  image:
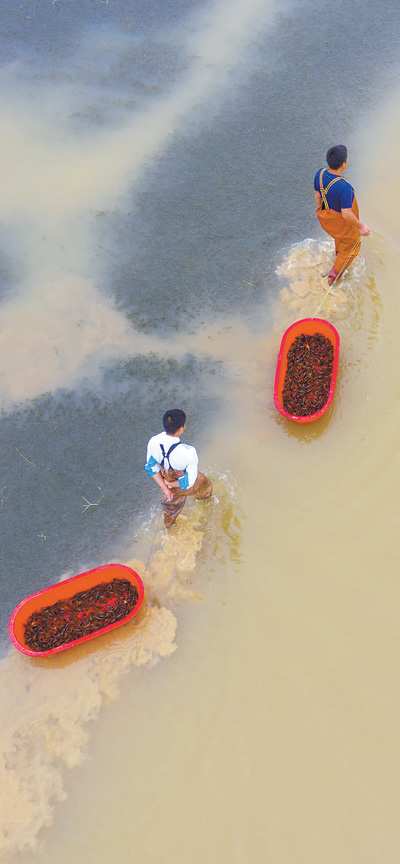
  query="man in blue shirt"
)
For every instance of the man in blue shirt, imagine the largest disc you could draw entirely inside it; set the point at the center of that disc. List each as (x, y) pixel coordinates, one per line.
(337, 211)
(174, 466)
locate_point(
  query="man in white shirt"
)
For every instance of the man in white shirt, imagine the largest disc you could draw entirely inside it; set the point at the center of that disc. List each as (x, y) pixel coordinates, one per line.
(174, 466)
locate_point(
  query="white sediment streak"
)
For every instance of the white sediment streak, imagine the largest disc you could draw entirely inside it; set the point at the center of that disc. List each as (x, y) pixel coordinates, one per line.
(45, 708)
(48, 703)
(57, 326)
(48, 173)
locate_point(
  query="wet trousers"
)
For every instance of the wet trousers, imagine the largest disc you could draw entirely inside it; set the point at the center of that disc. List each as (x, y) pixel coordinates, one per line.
(346, 236)
(201, 489)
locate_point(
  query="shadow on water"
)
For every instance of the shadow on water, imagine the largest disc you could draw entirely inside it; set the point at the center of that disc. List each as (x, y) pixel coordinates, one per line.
(305, 433)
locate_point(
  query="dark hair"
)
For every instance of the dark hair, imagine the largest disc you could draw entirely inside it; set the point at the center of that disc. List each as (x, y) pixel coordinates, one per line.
(336, 156)
(174, 420)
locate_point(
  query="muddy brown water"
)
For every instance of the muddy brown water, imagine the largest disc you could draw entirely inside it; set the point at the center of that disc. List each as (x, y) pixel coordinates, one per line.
(250, 713)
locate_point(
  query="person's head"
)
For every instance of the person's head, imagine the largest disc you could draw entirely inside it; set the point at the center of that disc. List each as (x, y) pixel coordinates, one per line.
(174, 420)
(336, 156)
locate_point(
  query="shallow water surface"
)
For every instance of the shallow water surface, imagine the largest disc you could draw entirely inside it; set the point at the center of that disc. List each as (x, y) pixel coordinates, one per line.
(157, 242)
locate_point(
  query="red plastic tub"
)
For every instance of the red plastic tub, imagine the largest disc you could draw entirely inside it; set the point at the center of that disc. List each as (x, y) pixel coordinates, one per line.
(309, 326)
(64, 590)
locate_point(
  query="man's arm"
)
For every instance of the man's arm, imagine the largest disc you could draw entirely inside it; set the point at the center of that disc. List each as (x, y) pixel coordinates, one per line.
(349, 216)
(317, 198)
(163, 486)
(152, 468)
(192, 469)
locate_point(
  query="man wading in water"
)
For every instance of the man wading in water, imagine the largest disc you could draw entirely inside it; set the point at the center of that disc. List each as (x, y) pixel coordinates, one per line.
(338, 210)
(174, 467)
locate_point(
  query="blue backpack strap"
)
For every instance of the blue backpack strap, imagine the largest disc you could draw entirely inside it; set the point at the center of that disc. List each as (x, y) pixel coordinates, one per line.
(167, 455)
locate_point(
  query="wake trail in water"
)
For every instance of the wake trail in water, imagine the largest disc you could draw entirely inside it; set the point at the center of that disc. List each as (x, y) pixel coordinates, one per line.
(48, 703)
(44, 717)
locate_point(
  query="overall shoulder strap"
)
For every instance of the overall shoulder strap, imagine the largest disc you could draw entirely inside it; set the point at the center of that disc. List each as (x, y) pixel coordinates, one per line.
(165, 456)
(323, 191)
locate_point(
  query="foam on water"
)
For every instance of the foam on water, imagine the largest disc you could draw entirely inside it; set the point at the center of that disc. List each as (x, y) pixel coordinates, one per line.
(48, 703)
(305, 267)
(45, 714)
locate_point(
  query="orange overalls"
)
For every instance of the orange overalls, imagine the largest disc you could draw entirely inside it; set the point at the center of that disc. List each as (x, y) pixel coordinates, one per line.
(346, 236)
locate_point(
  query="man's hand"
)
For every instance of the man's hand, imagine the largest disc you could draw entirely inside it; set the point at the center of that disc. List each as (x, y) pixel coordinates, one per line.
(163, 486)
(351, 217)
(172, 484)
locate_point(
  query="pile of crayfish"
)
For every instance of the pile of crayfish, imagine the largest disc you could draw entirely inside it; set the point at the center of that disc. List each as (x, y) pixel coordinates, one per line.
(308, 375)
(79, 615)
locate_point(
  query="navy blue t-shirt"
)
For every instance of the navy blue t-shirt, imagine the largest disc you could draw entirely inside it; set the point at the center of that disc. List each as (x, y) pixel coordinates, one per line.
(340, 195)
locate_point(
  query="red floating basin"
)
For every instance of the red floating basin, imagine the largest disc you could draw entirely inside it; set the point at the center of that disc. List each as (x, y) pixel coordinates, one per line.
(63, 591)
(308, 326)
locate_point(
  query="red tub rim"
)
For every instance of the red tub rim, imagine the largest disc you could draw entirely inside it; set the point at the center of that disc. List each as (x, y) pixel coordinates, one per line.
(320, 325)
(56, 589)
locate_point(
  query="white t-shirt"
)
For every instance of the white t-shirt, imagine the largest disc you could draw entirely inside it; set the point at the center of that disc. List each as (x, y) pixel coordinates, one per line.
(183, 458)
